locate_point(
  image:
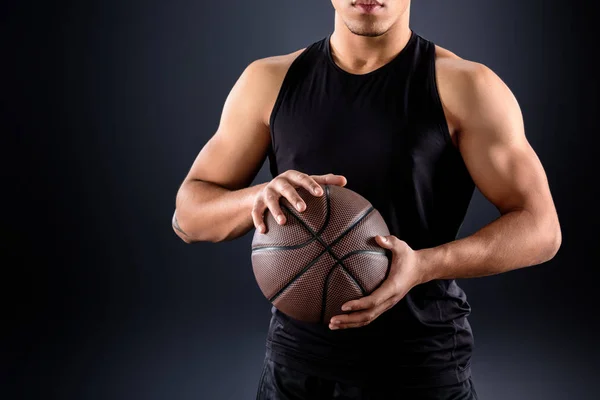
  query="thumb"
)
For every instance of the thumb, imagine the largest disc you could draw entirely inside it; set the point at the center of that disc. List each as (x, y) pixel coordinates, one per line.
(384, 241)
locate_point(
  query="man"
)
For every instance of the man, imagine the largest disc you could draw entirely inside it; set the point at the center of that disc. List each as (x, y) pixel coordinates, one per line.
(414, 129)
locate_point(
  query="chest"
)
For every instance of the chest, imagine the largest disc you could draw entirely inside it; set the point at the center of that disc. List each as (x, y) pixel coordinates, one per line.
(353, 136)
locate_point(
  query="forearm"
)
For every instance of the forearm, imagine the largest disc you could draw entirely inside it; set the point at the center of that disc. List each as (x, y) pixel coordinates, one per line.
(208, 212)
(516, 239)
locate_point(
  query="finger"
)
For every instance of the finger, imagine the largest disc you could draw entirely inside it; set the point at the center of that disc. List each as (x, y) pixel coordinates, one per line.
(258, 213)
(384, 241)
(290, 193)
(346, 326)
(331, 179)
(361, 318)
(305, 181)
(387, 290)
(271, 199)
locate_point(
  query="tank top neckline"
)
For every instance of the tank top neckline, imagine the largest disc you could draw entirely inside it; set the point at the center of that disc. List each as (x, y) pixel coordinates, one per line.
(396, 59)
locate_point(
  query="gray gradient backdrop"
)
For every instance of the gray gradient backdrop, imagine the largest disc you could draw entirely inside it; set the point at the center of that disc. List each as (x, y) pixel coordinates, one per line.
(105, 104)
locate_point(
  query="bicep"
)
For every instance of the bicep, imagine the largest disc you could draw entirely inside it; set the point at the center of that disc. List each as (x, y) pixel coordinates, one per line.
(492, 142)
(234, 154)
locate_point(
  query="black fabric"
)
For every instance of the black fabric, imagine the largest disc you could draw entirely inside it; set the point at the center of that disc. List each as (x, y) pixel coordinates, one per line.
(386, 132)
(278, 382)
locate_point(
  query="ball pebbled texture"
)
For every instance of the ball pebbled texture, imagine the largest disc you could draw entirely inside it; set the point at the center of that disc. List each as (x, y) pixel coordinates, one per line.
(321, 257)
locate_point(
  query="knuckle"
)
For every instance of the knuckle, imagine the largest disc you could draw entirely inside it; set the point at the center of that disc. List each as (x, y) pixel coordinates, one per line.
(256, 209)
(285, 185)
(270, 196)
(302, 177)
(389, 304)
(289, 191)
(282, 184)
(278, 183)
(393, 239)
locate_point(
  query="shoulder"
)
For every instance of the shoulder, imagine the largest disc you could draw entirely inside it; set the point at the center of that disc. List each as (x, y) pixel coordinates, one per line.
(271, 69)
(450, 63)
(466, 88)
(261, 81)
(469, 76)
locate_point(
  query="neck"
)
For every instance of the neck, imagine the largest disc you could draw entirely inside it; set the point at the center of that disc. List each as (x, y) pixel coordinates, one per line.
(361, 54)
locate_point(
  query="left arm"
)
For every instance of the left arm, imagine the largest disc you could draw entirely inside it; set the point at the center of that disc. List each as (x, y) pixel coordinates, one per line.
(507, 172)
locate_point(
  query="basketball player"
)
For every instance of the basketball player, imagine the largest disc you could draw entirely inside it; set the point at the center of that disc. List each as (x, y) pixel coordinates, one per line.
(413, 128)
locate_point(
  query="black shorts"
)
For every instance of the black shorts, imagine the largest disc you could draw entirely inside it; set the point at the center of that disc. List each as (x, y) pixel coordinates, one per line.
(278, 382)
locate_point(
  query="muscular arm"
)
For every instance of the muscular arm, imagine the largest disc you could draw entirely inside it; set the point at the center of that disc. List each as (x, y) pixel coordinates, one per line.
(214, 202)
(487, 122)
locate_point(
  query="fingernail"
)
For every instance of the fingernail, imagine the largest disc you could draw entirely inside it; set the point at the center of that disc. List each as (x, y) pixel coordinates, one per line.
(346, 308)
(318, 191)
(333, 327)
(299, 206)
(383, 238)
(279, 218)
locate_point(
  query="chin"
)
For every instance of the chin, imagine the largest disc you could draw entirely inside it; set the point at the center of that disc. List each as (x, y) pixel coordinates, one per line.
(366, 30)
(368, 33)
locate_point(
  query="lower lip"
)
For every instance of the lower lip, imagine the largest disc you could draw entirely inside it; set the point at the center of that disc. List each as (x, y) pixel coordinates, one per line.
(368, 8)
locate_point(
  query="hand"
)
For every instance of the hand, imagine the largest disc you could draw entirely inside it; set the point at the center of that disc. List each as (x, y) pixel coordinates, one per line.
(284, 185)
(404, 274)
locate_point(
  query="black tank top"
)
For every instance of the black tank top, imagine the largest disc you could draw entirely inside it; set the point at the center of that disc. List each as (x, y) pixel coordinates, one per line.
(386, 132)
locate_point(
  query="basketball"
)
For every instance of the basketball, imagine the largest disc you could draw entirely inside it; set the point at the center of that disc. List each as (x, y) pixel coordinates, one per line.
(321, 257)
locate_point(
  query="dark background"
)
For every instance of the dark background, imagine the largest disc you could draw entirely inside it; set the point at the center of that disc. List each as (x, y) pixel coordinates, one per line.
(104, 106)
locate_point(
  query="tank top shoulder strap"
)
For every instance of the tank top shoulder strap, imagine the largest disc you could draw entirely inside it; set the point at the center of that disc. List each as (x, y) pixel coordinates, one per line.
(425, 88)
(297, 71)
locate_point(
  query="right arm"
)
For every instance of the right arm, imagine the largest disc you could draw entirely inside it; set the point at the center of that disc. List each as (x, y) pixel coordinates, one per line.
(215, 203)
